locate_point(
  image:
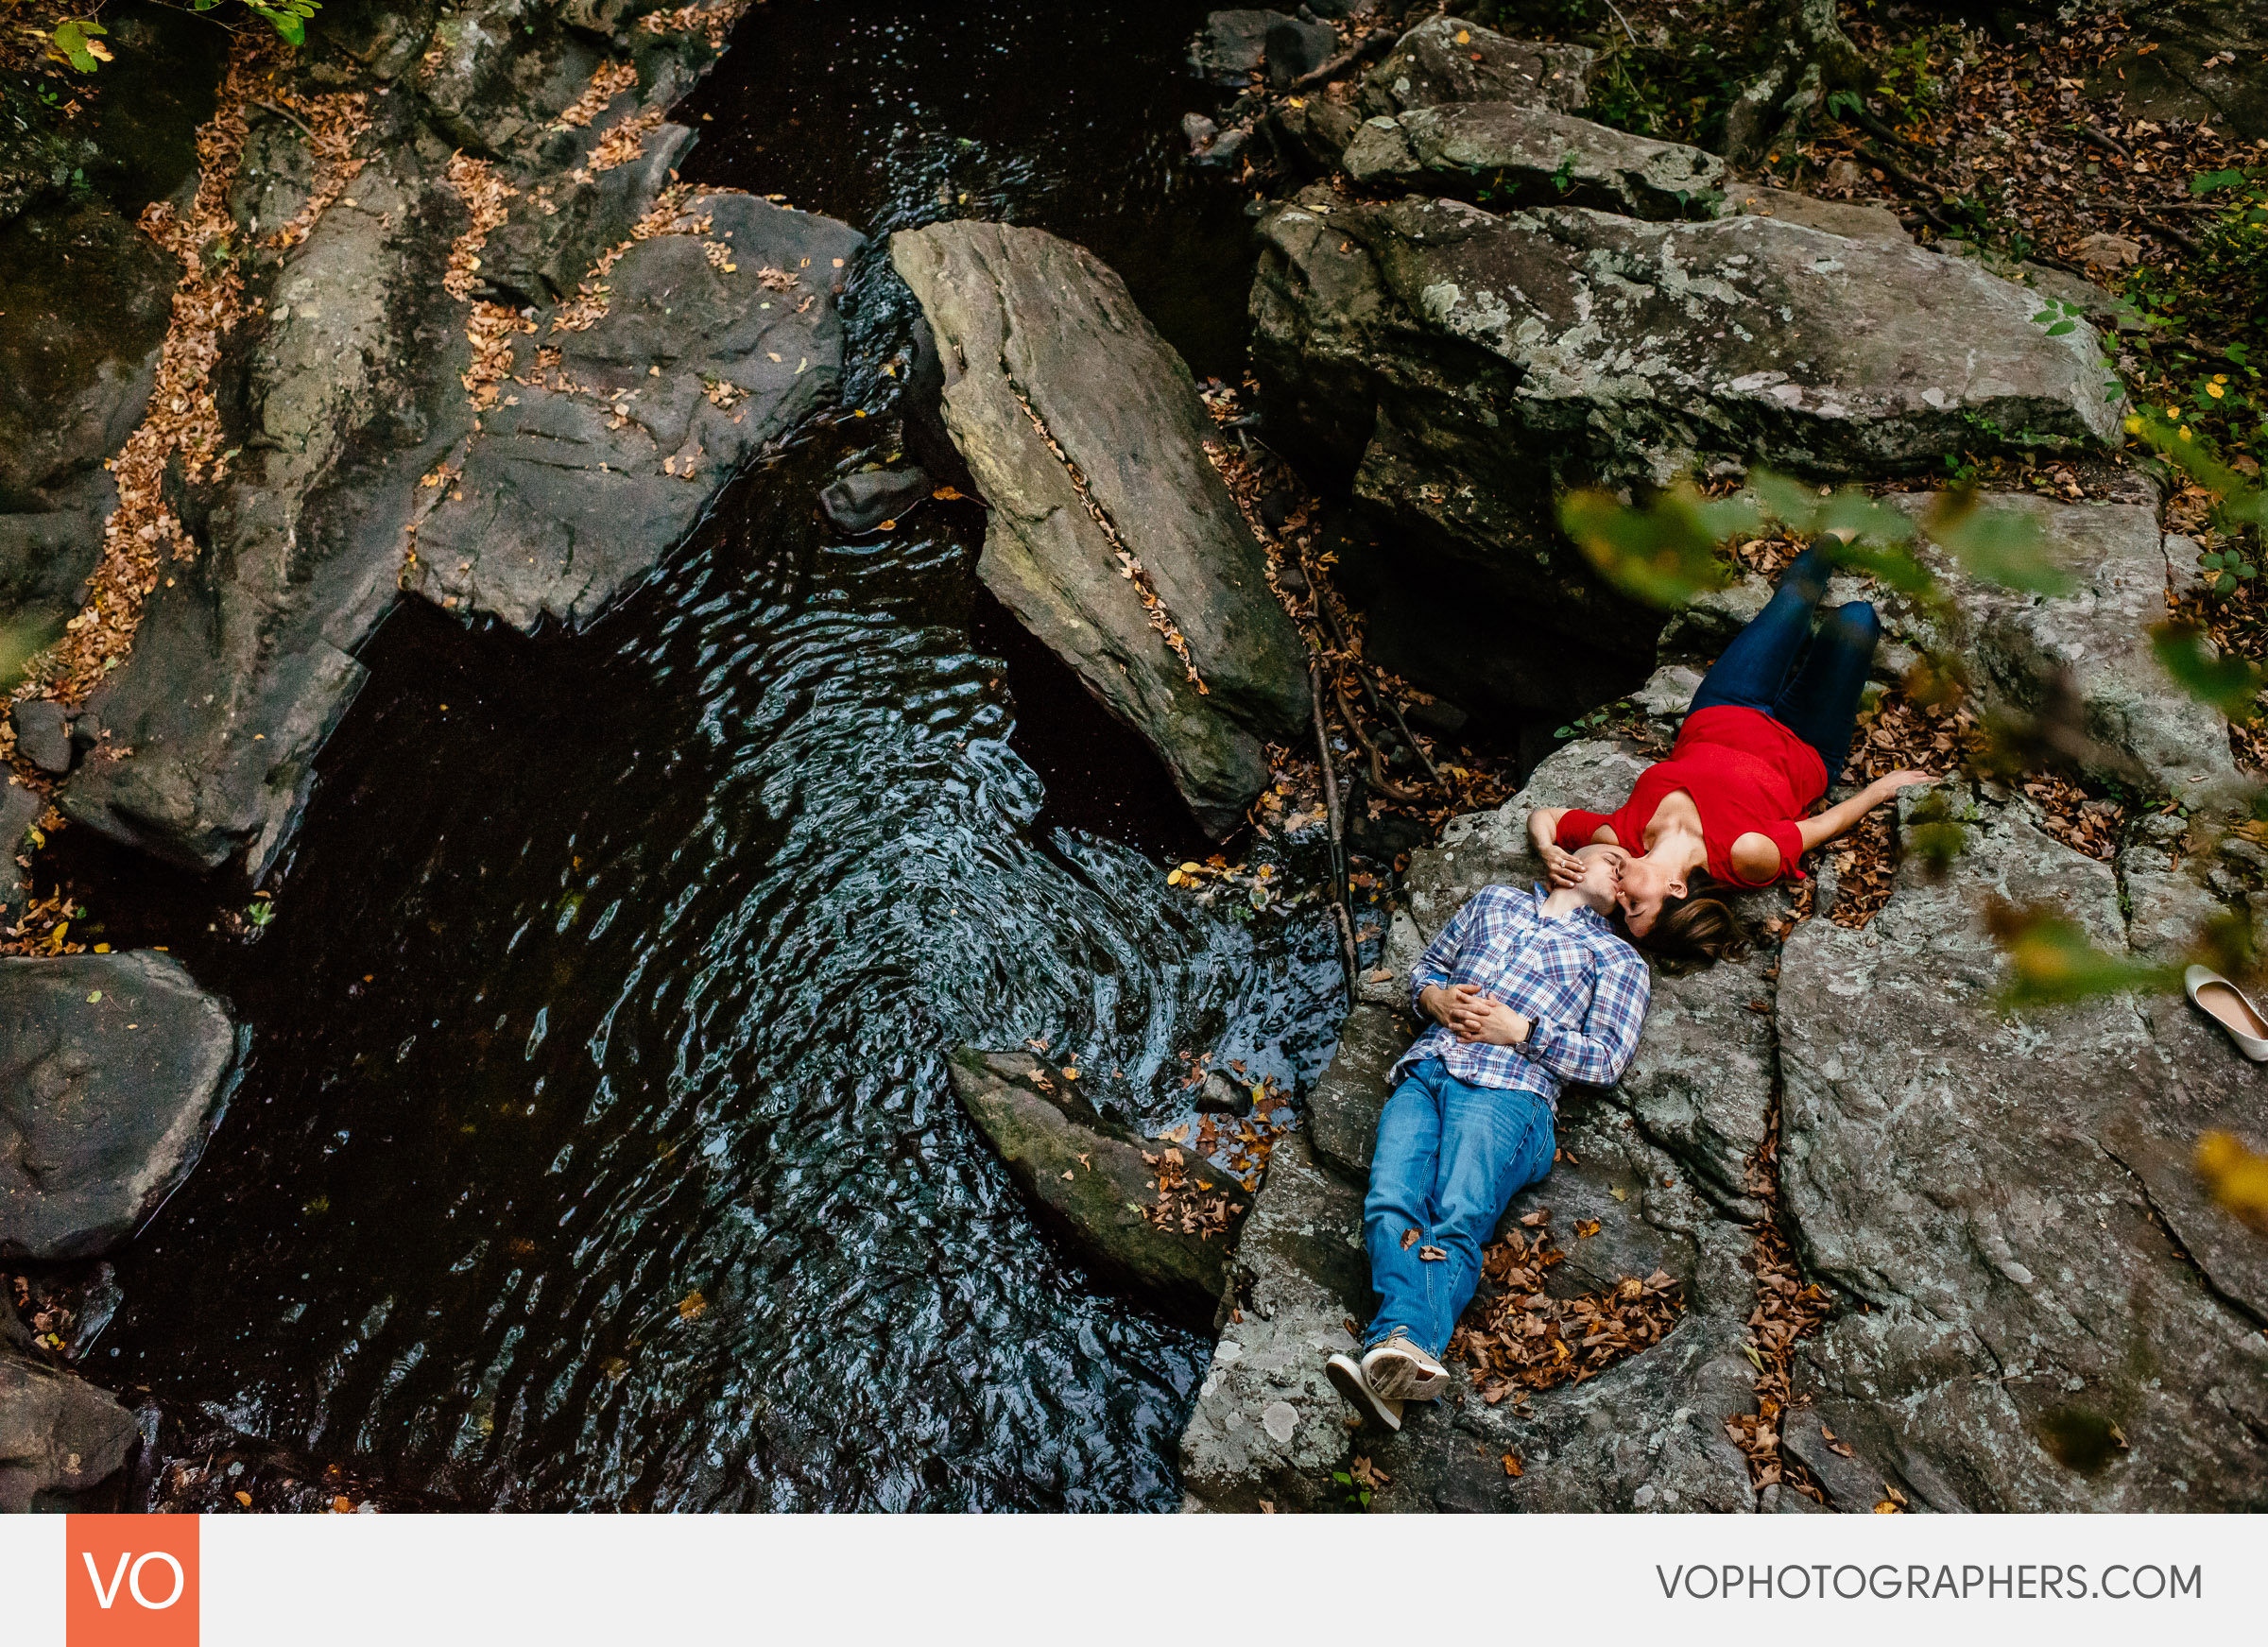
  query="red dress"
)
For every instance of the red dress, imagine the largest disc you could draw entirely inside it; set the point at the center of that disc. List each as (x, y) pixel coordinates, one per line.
(1748, 775)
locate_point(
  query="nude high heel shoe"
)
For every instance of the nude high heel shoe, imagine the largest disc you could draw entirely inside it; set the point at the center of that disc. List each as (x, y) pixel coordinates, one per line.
(2229, 1008)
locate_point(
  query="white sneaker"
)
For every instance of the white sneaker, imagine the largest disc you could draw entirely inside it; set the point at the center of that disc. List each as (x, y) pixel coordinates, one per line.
(1399, 1371)
(1346, 1378)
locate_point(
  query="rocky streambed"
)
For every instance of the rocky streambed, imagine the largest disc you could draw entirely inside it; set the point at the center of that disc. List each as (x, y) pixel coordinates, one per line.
(566, 1011)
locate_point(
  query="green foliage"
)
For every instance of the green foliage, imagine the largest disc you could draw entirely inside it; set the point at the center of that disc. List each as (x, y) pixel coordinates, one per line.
(75, 42)
(1663, 553)
(2050, 960)
(2229, 684)
(1934, 834)
(1358, 1496)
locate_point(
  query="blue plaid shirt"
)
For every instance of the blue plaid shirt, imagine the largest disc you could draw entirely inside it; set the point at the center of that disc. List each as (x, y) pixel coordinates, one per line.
(1583, 989)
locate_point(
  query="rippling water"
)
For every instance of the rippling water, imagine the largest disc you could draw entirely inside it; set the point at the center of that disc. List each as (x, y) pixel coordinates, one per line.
(595, 1148)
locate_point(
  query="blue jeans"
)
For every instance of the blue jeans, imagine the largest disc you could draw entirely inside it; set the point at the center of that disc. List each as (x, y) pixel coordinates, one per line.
(1819, 702)
(1450, 1156)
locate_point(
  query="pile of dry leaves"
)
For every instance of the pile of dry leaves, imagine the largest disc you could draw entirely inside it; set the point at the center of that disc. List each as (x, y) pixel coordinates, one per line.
(2029, 133)
(1787, 1308)
(1515, 1337)
(1185, 1203)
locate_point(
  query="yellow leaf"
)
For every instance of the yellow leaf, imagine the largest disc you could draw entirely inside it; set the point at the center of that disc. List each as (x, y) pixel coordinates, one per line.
(245, 1498)
(691, 1306)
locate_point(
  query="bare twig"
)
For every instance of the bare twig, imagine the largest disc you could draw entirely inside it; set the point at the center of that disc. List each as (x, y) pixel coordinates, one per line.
(2103, 140)
(1338, 847)
(278, 109)
(1370, 44)
(1385, 785)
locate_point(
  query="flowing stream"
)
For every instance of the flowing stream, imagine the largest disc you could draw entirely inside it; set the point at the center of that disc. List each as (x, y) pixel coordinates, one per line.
(595, 1149)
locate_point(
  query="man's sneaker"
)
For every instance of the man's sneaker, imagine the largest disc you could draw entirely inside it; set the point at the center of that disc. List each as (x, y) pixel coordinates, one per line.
(1399, 1371)
(1346, 1378)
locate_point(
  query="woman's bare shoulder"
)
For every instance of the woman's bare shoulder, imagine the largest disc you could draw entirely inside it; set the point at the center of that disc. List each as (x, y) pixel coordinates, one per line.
(1756, 858)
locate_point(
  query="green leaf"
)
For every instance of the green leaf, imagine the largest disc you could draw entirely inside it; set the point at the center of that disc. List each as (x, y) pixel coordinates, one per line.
(1998, 545)
(75, 40)
(2206, 182)
(2050, 959)
(1663, 553)
(2229, 684)
(2061, 327)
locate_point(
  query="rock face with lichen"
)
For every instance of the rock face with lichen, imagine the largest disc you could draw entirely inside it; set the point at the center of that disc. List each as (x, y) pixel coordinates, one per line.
(1111, 537)
(1458, 362)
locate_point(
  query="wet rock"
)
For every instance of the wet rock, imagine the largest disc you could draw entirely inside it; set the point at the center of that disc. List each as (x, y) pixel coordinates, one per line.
(1233, 45)
(113, 1071)
(61, 1437)
(1446, 60)
(354, 389)
(42, 733)
(1086, 437)
(1313, 131)
(1088, 1180)
(573, 496)
(1297, 48)
(1219, 1095)
(19, 810)
(1515, 156)
(872, 497)
(1835, 216)
(2033, 1338)
(86, 312)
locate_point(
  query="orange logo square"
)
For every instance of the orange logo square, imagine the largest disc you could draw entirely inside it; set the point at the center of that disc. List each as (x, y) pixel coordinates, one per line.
(130, 1580)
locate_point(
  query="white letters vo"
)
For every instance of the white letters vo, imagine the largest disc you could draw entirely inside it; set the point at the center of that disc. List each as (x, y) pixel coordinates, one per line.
(132, 1577)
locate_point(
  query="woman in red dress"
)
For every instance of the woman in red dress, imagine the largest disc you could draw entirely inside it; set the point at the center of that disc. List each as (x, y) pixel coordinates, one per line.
(1725, 811)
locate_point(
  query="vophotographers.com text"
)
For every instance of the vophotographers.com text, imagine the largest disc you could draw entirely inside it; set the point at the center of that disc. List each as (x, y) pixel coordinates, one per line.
(1886, 1582)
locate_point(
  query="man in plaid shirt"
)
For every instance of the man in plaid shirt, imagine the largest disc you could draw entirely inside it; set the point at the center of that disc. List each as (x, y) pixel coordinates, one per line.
(1525, 990)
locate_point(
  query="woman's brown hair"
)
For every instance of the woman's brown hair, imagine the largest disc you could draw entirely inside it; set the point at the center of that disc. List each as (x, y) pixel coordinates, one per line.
(1700, 927)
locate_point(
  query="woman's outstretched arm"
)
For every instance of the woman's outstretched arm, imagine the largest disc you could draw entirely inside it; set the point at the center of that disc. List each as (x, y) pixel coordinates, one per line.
(1838, 820)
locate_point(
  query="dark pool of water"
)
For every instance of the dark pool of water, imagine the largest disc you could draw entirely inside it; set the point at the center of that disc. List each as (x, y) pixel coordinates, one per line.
(595, 1148)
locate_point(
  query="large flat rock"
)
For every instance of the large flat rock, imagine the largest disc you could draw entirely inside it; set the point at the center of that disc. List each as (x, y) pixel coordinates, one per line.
(1087, 439)
(1460, 368)
(113, 1070)
(2095, 636)
(1507, 155)
(2033, 1340)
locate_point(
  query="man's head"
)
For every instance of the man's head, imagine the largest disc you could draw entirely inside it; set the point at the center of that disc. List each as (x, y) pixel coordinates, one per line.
(1601, 866)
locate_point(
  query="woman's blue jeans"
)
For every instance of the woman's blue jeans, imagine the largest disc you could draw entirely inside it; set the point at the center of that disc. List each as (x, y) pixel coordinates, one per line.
(1819, 702)
(1450, 1156)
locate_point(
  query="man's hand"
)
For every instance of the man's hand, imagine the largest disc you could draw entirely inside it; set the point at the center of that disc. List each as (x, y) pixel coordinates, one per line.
(1472, 1015)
